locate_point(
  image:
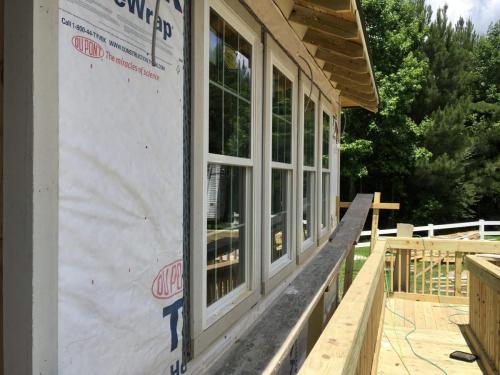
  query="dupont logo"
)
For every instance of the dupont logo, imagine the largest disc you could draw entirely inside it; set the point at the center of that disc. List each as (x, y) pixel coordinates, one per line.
(87, 46)
(168, 282)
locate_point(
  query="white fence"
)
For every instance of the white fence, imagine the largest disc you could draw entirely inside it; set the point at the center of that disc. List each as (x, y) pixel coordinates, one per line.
(480, 224)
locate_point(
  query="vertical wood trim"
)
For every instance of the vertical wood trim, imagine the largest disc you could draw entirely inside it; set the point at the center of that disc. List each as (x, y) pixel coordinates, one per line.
(376, 199)
(349, 264)
(458, 273)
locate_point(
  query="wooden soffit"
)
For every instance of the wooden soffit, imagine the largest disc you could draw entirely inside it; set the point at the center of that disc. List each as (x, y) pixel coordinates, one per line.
(327, 37)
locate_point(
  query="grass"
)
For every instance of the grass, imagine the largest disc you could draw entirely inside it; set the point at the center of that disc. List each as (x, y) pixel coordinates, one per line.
(494, 238)
(362, 254)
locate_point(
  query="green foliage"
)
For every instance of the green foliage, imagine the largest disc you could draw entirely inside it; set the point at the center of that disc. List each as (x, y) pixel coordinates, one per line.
(434, 145)
(487, 66)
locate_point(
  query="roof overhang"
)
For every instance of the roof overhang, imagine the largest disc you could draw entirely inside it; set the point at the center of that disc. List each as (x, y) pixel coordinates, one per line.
(330, 36)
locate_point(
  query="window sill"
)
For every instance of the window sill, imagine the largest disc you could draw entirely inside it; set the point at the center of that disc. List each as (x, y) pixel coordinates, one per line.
(307, 252)
(275, 279)
(223, 323)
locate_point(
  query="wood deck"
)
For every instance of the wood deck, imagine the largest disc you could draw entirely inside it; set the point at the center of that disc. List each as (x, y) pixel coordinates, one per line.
(434, 339)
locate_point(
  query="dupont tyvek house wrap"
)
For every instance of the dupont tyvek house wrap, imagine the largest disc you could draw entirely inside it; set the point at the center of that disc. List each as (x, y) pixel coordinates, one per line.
(120, 187)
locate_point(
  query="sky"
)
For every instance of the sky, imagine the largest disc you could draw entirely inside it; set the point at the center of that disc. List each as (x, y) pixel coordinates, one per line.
(481, 12)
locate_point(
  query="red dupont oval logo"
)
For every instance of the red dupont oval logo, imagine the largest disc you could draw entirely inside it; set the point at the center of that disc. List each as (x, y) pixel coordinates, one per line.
(168, 282)
(87, 46)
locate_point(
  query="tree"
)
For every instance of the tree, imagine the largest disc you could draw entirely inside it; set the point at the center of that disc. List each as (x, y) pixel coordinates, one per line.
(487, 66)
(381, 142)
(434, 144)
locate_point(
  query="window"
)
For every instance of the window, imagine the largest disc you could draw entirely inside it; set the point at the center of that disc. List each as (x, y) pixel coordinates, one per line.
(229, 90)
(226, 227)
(309, 174)
(281, 164)
(325, 173)
(229, 167)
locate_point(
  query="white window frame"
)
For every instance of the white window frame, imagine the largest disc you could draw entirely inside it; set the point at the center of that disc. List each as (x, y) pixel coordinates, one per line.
(335, 170)
(324, 108)
(308, 246)
(210, 322)
(274, 273)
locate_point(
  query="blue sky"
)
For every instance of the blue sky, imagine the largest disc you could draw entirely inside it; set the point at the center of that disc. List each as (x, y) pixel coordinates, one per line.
(482, 12)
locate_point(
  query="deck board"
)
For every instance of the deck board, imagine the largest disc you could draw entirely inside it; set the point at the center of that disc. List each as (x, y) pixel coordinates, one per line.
(435, 338)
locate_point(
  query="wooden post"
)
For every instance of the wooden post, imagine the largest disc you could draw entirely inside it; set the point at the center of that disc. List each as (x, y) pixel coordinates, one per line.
(403, 260)
(373, 238)
(337, 208)
(458, 273)
(349, 264)
(315, 325)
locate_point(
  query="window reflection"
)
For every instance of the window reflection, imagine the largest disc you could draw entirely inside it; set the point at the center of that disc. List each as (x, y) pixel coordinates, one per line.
(325, 199)
(279, 213)
(309, 111)
(307, 205)
(230, 71)
(226, 230)
(326, 141)
(282, 118)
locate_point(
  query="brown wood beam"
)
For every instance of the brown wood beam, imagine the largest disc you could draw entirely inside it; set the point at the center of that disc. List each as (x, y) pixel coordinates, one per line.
(366, 94)
(327, 5)
(326, 23)
(332, 43)
(344, 73)
(379, 206)
(358, 102)
(349, 82)
(353, 65)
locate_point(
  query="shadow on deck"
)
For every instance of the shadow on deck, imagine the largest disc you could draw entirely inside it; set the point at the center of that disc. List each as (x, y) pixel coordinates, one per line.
(406, 312)
(419, 336)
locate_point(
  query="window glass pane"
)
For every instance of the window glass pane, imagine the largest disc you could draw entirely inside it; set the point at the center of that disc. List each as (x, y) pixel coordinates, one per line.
(326, 141)
(230, 84)
(216, 48)
(244, 64)
(307, 206)
(309, 139)
(281, 118)
(216, 137)
(226, 230)
(325, 200)
(279, 213)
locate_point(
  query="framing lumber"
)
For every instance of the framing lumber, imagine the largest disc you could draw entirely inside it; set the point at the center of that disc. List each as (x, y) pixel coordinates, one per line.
(325, 23)
(366, 94)
(371, 105)
(431, 298)
(349, 265)
(264, 346)
(362, 85)
(347, 74)
(352, 65)
(483, 269)
(340, 345)
(333, 43)
(380, 206)
(444, 245)
(478, 348)
(373, 238)
(334, 6)
(402, 278)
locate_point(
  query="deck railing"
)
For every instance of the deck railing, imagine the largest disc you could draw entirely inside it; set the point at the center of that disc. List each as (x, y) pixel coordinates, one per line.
(432, 269)
(484, 310)
(350, 341)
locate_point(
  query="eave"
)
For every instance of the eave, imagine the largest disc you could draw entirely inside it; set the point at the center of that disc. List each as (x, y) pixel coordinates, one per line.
(330, 36)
